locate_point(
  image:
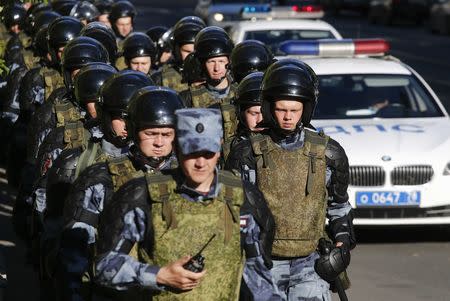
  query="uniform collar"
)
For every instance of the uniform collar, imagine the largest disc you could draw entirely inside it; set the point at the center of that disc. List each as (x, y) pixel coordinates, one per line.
(195, 196)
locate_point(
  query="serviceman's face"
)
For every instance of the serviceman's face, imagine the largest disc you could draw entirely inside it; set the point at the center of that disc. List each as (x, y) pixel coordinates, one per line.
(156, 142)
(14, 29)
(165, 56)
(124, 26)
(217, 67)
(199, 167)
(141, 64)
(252, 117)
(104, 19)
(59, 53)
(118, 126)
(288, 113)
(185, 50)
(90, 107)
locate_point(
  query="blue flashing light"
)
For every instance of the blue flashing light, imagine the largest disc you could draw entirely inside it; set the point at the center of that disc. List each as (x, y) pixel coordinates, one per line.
(306, 47)
(256, 9)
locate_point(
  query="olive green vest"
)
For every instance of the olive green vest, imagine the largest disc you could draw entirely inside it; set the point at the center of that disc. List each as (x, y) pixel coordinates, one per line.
(92, 153)
(293, 183)
(52, 79)
(29, 59)
(172, 79)
(201, 98)
(182, 227)
(122, 170)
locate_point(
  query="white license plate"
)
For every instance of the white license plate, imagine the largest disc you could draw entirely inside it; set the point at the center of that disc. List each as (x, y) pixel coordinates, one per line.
(387, 198)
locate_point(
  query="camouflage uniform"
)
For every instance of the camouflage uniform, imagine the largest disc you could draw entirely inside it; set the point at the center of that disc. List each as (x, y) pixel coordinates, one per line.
(206, 96)
(117, 266)
(295, 275)
(90, 193)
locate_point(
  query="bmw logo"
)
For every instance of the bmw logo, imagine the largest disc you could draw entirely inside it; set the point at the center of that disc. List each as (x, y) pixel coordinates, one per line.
(386, 158)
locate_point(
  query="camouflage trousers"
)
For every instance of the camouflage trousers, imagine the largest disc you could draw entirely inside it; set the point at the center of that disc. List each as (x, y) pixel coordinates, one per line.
(297, 280)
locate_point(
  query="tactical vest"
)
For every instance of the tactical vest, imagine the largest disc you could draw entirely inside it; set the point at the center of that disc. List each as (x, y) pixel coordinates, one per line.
(91, 154)
(293, 183)
(120, 63)
(52, 79)
(122, 170)
(172, 79)
(29, 59)
(182, 227)
(201, 98)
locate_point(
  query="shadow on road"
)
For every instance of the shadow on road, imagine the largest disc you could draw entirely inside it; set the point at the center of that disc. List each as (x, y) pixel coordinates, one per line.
(396, 234)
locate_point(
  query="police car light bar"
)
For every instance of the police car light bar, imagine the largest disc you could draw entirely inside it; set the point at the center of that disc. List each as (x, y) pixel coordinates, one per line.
(306, 8)
(335, 48)
(256, 12)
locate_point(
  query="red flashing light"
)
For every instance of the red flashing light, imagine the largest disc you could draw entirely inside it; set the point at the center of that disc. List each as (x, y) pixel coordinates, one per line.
(307, 8)
(370, 46)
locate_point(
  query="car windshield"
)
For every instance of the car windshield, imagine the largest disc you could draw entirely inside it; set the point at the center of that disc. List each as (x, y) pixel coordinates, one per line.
(369, 96)
(273, 38)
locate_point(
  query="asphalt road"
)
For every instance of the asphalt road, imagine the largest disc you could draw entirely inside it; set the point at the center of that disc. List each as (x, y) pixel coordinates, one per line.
(388, 264)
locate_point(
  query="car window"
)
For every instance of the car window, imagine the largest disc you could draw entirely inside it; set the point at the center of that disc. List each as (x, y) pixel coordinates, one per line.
(369, 96)
(273, 38)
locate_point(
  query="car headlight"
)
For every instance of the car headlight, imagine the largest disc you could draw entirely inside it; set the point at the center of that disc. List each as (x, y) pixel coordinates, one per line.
(447, 169)
(218, 17)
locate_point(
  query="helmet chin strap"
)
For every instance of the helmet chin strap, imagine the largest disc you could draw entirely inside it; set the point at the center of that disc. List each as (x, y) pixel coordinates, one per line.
(215, 82)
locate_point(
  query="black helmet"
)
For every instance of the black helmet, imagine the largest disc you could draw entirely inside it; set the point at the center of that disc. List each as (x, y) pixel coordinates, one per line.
(14, 14)
(184, 32)
(248, 94)
(152, 107)
(103, 34)
(64, 7)
(249, 56)
(90, 79)
(165, 43)
(40, 46)
(212, 41)
(32, 13)
(44, 18)
(78, 53)
(60, 32)
(115, 95)
(289, 79)
(85, 10)
(192, 70)
(122, 9)
(104, 6)
(186, 29)
(156, 32)
(249, 91)
(138, 44)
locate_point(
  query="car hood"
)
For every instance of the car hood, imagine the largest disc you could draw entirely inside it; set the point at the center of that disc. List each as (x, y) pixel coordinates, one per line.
(367, 141)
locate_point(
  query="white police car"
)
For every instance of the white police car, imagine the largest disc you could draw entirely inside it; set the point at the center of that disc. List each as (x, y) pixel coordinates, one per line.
(274, 32)
(392, 125)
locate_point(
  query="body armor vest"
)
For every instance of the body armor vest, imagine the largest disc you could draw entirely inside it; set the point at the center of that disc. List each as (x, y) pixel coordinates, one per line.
(293, 183)
(29, 59)
(53, 80)
(172, 79)
(122, 170)
(201, 98)
(182, 227)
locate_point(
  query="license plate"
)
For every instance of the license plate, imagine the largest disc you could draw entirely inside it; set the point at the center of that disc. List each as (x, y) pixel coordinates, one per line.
(387, 198)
